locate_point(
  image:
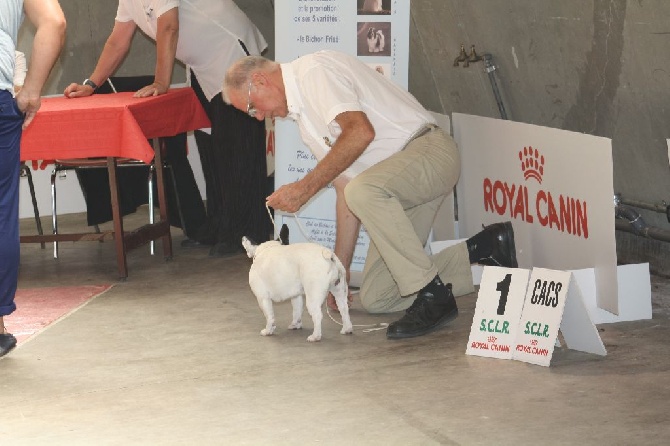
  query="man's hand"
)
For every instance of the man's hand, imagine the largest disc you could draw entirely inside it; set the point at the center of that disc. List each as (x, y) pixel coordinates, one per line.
(154, 89)
(75, 90)
(289, 198)
(28, 104)
(330, 301)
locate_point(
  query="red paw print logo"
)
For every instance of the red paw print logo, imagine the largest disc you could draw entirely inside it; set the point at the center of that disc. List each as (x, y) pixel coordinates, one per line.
(533, 342)
(492, 339)
(532, 163)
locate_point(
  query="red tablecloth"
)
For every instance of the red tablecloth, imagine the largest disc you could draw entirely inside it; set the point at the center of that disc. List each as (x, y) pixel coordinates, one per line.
(106, 125)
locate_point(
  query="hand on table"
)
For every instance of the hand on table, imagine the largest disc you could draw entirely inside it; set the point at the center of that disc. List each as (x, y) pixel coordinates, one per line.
(75, 90)
(154, 89)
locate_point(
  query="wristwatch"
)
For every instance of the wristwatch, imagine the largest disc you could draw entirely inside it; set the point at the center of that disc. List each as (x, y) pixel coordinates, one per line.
(90, 83)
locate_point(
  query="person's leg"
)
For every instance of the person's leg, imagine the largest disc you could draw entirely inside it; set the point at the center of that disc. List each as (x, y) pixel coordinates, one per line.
(239, 142)
(379, 291)
(206, 233)
(397, 201)
(187, 193)
(11, 120)
(386, 197)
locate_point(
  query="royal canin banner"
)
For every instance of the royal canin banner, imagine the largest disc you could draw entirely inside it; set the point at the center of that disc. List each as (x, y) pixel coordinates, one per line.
(556, 188)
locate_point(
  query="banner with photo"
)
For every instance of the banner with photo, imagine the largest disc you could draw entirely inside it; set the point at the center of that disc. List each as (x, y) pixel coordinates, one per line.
(376, 31)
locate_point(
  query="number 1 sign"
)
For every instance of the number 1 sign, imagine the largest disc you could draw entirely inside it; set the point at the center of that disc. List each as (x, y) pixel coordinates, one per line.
(518, 319)
(498, 310)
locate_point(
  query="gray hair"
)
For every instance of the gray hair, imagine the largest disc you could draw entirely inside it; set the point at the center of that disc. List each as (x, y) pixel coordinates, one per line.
(239, 74)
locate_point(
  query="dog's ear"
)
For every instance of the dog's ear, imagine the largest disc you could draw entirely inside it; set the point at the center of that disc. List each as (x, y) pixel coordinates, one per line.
(283, 234)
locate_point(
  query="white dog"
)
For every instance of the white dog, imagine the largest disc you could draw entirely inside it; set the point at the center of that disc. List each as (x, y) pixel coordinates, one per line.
(372, 5)
(381, 41)
(376, 40)
(281, 271)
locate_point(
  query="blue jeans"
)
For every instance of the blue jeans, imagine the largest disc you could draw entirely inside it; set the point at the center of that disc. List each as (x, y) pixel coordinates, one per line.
(11, 120)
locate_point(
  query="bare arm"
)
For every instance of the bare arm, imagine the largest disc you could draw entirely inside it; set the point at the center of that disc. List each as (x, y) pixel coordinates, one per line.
(357, 134)
(167, 36)
(116, 48)
(50, 25)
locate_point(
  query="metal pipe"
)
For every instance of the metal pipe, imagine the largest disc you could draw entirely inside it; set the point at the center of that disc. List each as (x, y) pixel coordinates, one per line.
(663, 208)
(651, 232)
(632, 217)
(629, 220)
(490, 70)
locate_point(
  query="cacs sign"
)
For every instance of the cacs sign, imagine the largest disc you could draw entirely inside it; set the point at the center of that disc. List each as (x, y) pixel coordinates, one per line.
(529, 202)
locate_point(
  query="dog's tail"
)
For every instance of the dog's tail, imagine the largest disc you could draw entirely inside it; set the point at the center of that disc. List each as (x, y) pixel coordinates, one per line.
(339, 283)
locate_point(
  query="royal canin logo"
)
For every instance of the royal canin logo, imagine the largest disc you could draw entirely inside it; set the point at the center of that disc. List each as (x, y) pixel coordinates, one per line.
(532, 163)
(547, 208)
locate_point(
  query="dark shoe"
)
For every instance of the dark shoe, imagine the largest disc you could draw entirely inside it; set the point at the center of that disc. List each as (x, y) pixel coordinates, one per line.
(433, 308)
(191, 243)
(7, 343)
(502, 241)
(226, 249)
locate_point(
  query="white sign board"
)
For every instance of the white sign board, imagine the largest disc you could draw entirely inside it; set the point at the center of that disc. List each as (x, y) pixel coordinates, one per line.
(306, 26)
(518, 318)
(634, 286)
(497, 313)
(554, 186)
(541, 317)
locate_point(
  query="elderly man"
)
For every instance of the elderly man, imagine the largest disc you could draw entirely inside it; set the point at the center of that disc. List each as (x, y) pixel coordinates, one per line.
(391, 167)
(16, 114)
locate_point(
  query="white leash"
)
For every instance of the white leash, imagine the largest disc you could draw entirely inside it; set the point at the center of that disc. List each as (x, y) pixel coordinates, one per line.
(297, 220)
(366, 328)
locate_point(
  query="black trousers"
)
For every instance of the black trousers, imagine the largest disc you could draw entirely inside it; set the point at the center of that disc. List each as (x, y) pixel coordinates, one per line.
(233, 161)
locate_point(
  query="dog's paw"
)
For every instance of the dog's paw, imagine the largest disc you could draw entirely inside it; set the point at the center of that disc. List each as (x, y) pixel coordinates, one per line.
(295, 325)
(268, 331)
(347, 330)
(313, 338)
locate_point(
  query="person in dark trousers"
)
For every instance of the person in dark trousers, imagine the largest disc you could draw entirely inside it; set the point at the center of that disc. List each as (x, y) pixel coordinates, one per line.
(15, 115)
(207, 36)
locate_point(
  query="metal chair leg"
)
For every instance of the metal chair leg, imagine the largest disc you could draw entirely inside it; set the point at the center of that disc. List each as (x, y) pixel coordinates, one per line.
(54, 219)
(26, 172)
(150, 181)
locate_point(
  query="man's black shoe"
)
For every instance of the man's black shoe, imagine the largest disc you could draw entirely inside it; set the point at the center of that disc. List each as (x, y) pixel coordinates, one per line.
(502, 241)
(433, 308)
(7, 343)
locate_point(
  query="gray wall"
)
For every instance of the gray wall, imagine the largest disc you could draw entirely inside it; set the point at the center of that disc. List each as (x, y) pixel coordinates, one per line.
(593, 66)
(599, 67)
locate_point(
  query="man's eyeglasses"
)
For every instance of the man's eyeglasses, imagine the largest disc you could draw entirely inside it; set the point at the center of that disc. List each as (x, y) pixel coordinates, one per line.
(251, 110)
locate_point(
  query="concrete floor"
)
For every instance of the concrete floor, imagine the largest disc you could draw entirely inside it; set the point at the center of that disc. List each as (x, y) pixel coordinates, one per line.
(173, 356)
